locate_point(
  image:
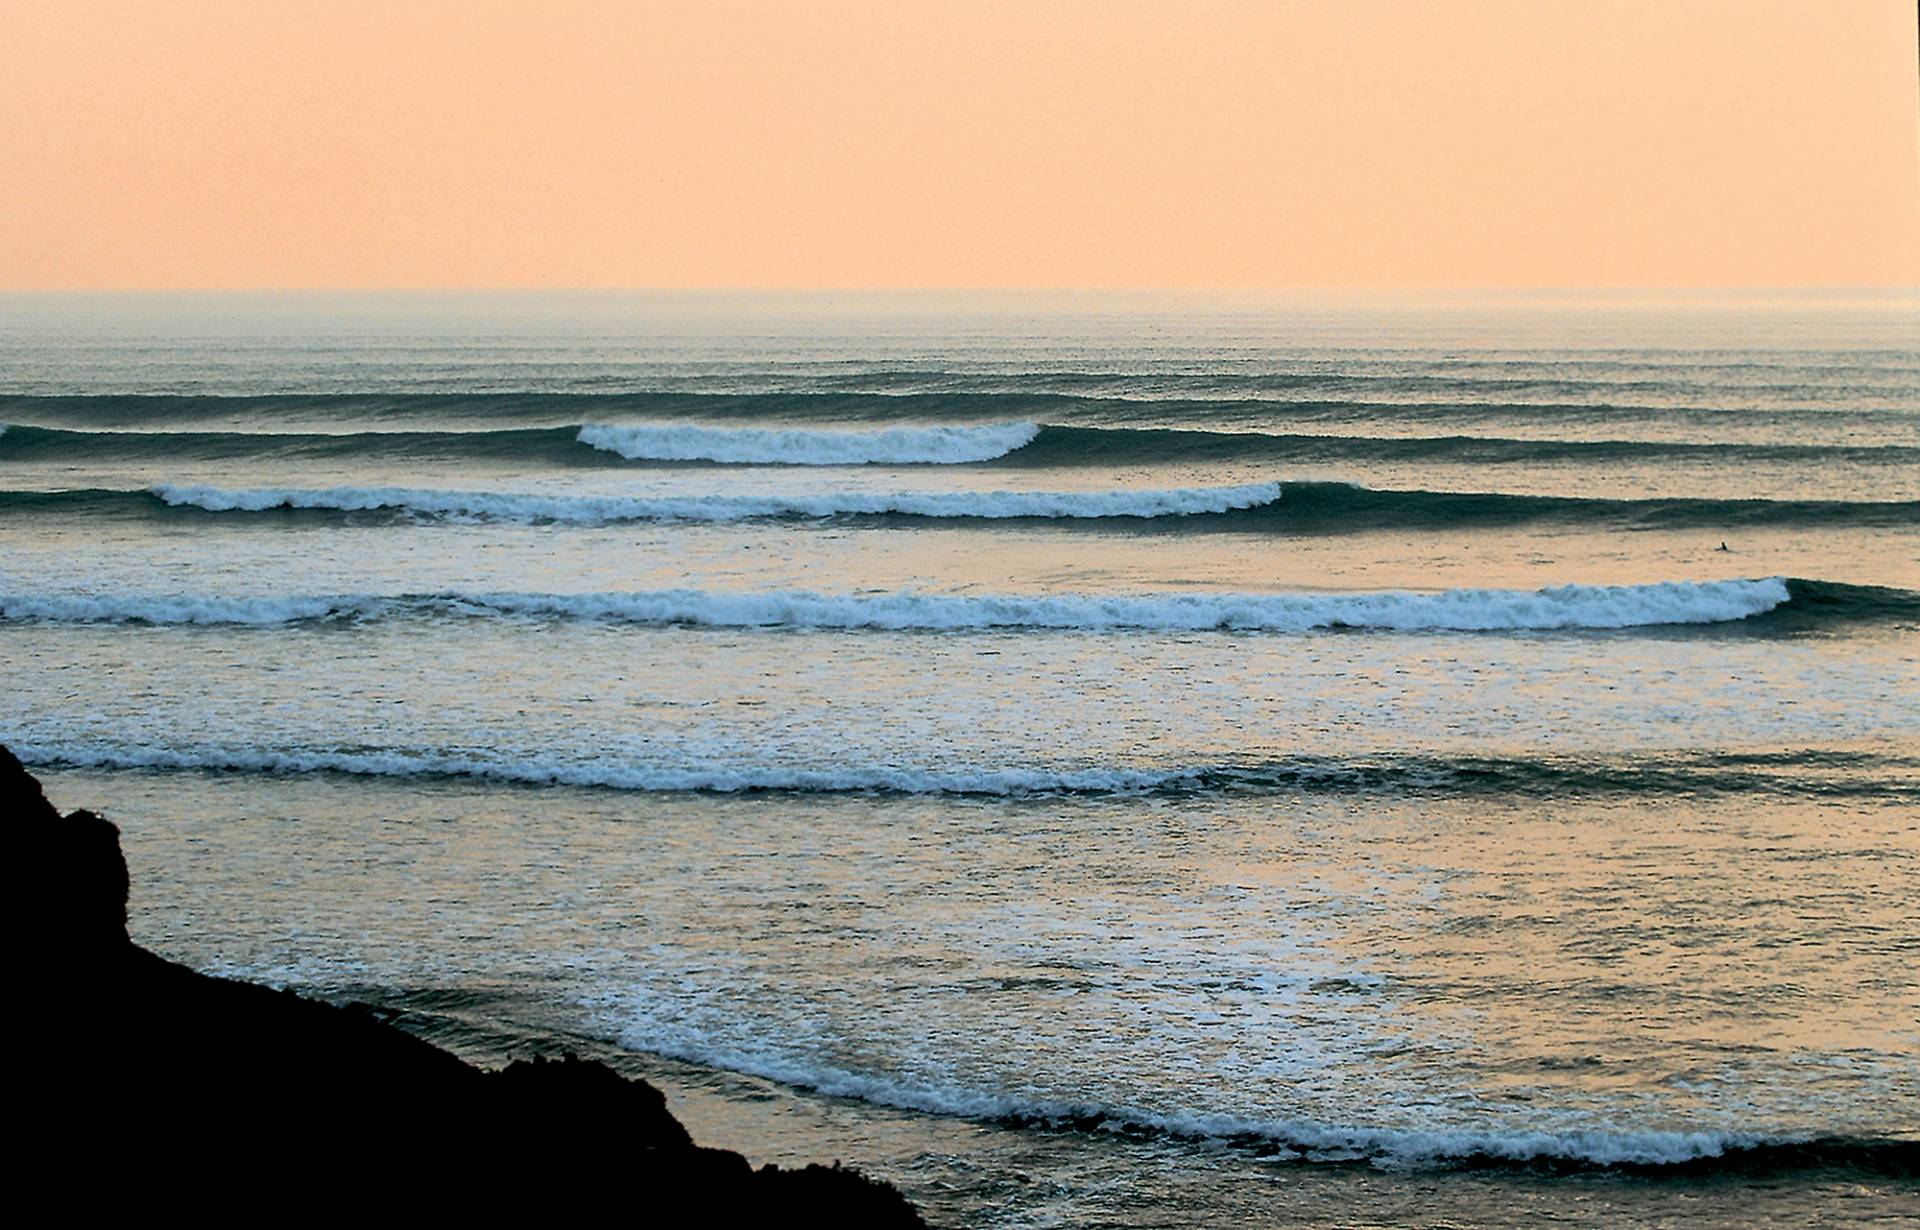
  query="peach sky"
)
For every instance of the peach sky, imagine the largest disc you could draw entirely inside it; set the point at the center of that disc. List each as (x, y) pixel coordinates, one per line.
(281, 143)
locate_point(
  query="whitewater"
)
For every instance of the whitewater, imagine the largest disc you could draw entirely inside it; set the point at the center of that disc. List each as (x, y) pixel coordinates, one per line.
(929, 445)
(606, 509)
(1562, 607)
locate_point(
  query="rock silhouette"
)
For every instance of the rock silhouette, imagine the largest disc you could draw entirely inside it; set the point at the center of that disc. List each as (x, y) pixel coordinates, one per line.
(183, 1091)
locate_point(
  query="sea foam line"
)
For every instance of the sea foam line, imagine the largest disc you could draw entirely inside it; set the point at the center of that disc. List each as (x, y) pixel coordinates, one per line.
(1565, 607)
(1384, 1147)
(607, 509)
(928, 445)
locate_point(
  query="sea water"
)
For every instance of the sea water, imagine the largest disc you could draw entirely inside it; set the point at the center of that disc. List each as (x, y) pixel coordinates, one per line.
(1096, 760)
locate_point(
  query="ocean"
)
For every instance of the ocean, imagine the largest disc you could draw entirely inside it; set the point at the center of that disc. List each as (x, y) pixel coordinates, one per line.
(1095, 760)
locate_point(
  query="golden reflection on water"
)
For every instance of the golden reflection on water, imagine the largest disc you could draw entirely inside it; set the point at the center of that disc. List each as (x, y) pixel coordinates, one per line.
(1598, 935)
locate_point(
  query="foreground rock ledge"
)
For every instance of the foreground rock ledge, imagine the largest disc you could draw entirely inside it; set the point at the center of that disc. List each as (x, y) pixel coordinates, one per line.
(141, 1083)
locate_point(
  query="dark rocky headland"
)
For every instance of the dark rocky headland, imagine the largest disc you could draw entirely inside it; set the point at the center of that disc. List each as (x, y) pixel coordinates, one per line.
(144, 1084)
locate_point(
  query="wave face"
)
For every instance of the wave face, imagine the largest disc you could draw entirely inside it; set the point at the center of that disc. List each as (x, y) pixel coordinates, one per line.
(943, 445)
(1104, 446)
(1464, 610)
(1824, 774)
(605, 510)
(1344, 507)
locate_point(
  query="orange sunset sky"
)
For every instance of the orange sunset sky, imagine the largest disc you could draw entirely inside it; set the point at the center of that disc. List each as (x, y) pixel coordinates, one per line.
(414, 143)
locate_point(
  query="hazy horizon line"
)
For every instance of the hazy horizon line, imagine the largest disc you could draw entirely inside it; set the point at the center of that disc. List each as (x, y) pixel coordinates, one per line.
(1171, 289)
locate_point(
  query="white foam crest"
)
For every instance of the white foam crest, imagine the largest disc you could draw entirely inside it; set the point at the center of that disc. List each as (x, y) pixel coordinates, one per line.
(604, 510)
(930, 445)
(1464, 610)
(1573, 606)
(1386, 1147)
(711, 778)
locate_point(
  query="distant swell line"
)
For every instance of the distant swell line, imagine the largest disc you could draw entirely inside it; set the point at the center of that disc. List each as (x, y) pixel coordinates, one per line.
(1018, 444)
(1462, 610)
(1099, 446)
(935, 395)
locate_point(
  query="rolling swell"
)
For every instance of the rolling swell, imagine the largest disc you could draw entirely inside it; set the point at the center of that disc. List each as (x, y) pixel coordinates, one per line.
(1817, 773)
(1015, 443)
(532, 508)
(589, 445)
(1295, 508)
(1342, 507)
(27, 443)
(1462, 380)
(551, 409)
(1092, 446)
(1570, 607)
(1648, 1154)
(1766, 607)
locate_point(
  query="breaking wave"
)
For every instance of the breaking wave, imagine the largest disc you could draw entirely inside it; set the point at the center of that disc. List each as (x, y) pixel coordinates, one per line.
(1817, 772)
(608, 509)
(1308, 507)
(942, 445)
(1460, 610)
(1652, 1152)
